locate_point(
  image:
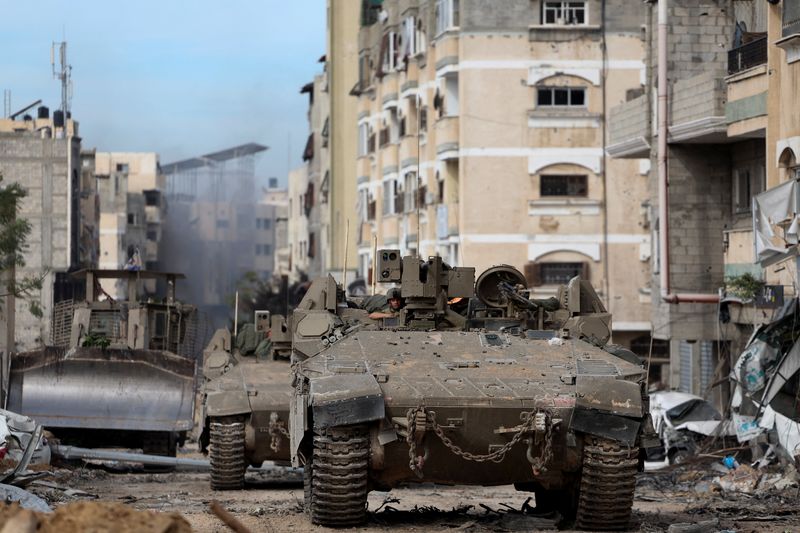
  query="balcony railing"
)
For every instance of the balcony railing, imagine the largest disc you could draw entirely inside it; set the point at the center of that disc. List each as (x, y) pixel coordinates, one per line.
(747, 56)
(791, 18)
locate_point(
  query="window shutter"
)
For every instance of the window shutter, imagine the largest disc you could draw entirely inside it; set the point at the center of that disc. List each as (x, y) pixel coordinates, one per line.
(533, 274)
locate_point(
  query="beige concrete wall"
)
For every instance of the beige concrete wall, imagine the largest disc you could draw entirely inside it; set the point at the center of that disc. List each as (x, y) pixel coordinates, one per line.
(342, 56)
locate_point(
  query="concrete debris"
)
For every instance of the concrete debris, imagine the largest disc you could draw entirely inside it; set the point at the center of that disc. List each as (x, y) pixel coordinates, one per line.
(25, 499)
(707, 526)
(743, 479)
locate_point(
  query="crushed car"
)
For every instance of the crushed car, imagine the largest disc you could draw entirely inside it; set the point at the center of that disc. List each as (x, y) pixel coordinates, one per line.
(682, 422)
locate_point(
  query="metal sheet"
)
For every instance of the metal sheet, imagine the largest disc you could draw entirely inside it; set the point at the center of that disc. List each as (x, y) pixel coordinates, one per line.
(104, 389)
(343, 399)
(605, 425)
(611, 395)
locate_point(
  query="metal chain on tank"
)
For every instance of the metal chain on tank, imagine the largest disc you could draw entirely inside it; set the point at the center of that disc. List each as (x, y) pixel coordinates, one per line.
(496, 456)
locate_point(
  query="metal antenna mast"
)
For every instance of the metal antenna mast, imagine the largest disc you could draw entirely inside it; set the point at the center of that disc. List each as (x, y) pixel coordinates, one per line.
(63, 74)
(6, 102)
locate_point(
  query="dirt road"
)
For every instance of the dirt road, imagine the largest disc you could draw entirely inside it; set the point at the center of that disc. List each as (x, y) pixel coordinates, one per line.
(274, 503)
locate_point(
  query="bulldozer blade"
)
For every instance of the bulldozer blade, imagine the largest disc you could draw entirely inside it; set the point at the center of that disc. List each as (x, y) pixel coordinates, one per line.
(96, 388)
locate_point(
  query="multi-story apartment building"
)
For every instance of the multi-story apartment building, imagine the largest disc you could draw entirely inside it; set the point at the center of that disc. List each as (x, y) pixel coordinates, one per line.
(714, 122)
(130, 187)
(302, 260)
(277, 199)
(481, 136)
(42, 154)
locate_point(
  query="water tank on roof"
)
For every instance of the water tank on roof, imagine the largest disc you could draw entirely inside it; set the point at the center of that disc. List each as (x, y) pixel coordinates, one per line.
(58, 118)
(43, 112)
(27, 118)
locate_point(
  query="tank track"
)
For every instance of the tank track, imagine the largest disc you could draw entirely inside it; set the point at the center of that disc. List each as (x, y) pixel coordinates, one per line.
(608, 481)
(228, 463)
(338, 488)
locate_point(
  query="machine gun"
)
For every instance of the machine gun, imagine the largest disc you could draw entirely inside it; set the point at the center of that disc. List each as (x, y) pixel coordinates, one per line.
(426, 287)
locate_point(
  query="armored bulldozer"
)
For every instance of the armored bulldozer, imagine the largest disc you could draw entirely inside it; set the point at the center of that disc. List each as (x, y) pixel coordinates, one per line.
(469, 383)
(117, 372)
(245, 400)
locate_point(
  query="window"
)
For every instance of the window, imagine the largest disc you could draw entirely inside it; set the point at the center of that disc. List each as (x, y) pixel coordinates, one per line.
(364, 77)
(391, 52)
(258, 249)
(394, 125)
(363, 204)
(410, 192)
(563, 13)
(538, 274)
(222, 224)
(266, 223)
(447, 15)
(258, 223)
(561, 97)
(152, 235)
(363, 139)
(267, 249)
(408, 40)
(791, 18)
(122, 167)
(312, 245)
(389, 193)
(563, 186)
(451, 95)
(131, 218)
(423, 119)
(747, 183)
(152, 198)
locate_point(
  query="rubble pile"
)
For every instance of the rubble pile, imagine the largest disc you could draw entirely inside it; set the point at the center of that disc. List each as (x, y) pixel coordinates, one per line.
(84, 516)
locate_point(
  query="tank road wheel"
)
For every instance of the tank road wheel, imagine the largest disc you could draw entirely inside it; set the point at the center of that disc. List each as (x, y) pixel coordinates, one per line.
(228, 463)
(338, 478)
(608, 480)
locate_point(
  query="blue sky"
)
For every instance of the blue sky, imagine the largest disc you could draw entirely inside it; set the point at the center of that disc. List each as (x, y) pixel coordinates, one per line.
(176, 77)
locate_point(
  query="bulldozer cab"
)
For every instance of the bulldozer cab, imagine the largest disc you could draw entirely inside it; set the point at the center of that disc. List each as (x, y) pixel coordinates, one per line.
(136, 322)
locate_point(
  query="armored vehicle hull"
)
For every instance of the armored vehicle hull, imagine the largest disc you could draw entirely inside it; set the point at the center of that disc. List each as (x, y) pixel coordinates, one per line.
(245, 412)
(474, 400)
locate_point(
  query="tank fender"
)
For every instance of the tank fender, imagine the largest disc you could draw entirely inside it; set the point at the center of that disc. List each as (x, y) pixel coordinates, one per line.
(610, 395)
(227, 403)
(608, 407)
(344, 399)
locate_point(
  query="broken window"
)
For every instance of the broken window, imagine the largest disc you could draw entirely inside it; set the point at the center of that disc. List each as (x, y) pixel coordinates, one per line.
(564, 185)
(747, 182)
(122, 167)
(563, 13)
(561, 97)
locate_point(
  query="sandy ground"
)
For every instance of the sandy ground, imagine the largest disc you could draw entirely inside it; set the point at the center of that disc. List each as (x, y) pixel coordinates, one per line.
(273, 503)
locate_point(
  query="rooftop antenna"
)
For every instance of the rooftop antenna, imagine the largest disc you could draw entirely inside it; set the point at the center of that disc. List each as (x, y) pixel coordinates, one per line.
(63, 74)
(6, 102)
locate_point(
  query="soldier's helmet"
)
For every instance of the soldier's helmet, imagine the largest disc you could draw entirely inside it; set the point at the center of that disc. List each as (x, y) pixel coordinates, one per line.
(394, 292)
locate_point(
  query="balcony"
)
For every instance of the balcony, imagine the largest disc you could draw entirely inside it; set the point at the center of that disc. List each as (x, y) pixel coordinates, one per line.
(447, 136)
(408, 150)
(152, 214)
(698, 109)
(628, 136)
(747, 56)
(746, 106)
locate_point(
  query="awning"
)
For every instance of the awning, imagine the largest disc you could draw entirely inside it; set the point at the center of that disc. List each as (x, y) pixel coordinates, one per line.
(776, 223)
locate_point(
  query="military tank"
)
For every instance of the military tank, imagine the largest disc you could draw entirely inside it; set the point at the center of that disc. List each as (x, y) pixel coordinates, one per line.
(510, 390)
(245, 400)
